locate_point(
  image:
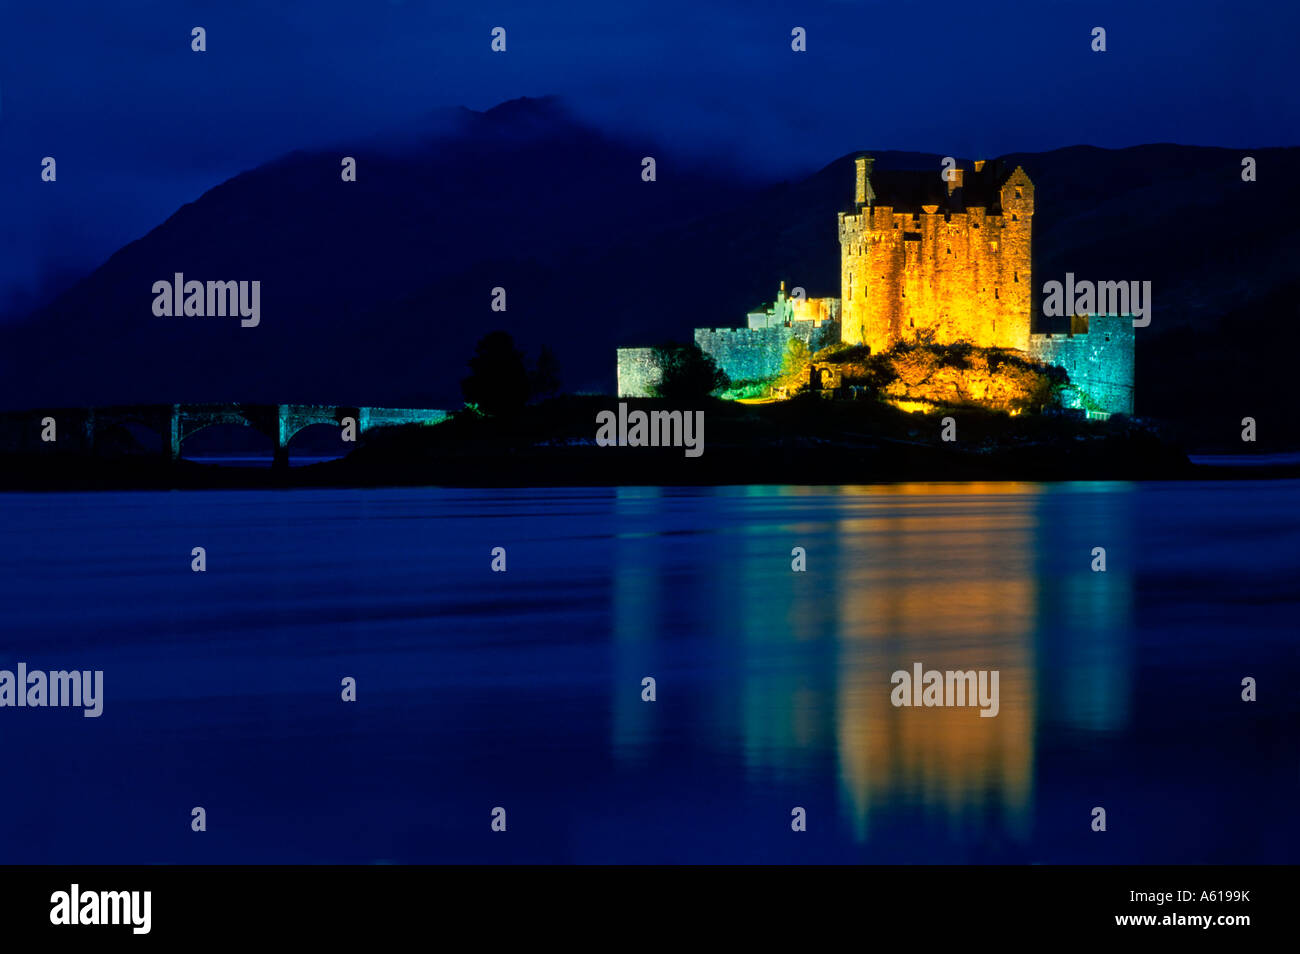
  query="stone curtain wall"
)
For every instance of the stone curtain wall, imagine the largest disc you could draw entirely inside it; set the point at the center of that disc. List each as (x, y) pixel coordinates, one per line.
(1098, 359)
(755, 354)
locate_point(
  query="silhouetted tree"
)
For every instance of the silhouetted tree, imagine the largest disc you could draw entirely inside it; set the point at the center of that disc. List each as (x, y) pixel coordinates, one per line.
(688, 373)
(498, 382)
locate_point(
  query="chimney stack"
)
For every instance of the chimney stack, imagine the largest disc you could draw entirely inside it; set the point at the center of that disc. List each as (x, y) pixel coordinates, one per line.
(864, 194)
(955, 182)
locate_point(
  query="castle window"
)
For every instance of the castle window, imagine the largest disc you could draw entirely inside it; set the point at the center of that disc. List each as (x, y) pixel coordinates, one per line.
(1019, 195)
(1013, 217)
(995, 293)
(1108, 337)
(1015, 276)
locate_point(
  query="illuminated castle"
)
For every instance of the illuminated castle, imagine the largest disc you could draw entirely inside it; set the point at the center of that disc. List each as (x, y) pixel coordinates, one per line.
(921, 257)
(926, 257)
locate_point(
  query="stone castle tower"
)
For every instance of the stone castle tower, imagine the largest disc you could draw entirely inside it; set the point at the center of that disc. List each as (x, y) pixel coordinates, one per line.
(952, 258)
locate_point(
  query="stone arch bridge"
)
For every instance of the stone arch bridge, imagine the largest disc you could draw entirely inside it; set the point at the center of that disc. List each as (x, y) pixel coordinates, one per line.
(76, 427)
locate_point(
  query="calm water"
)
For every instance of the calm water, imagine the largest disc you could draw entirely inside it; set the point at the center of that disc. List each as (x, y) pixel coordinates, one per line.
(523, 689)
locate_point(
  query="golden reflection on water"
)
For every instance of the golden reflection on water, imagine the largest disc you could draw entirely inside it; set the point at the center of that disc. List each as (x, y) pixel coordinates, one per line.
(946, 575)
(928, 577)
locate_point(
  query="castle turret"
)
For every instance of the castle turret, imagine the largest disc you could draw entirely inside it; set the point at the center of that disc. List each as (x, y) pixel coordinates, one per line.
(1015, 279)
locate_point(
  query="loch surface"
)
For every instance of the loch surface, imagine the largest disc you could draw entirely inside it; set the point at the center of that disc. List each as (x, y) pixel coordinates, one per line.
(523, 689)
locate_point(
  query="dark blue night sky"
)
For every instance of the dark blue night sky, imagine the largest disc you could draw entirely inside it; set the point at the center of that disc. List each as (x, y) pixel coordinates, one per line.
(140, 125)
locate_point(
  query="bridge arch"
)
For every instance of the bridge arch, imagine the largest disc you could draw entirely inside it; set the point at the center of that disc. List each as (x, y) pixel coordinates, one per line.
(177, 422)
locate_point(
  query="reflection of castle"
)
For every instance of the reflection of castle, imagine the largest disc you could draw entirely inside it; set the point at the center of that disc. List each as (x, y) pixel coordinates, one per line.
(917, 582)
(926, 257)
(792, 668)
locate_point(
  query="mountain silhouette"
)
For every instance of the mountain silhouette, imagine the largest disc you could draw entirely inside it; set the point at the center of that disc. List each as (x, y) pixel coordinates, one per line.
(485, 200)
(375, 291)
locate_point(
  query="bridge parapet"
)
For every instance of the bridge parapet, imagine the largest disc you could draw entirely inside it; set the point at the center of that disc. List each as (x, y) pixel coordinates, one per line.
(76, 427)
(394, 416)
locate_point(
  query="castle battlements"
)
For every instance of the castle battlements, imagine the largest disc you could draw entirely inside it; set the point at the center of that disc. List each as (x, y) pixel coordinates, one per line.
(922, 257)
